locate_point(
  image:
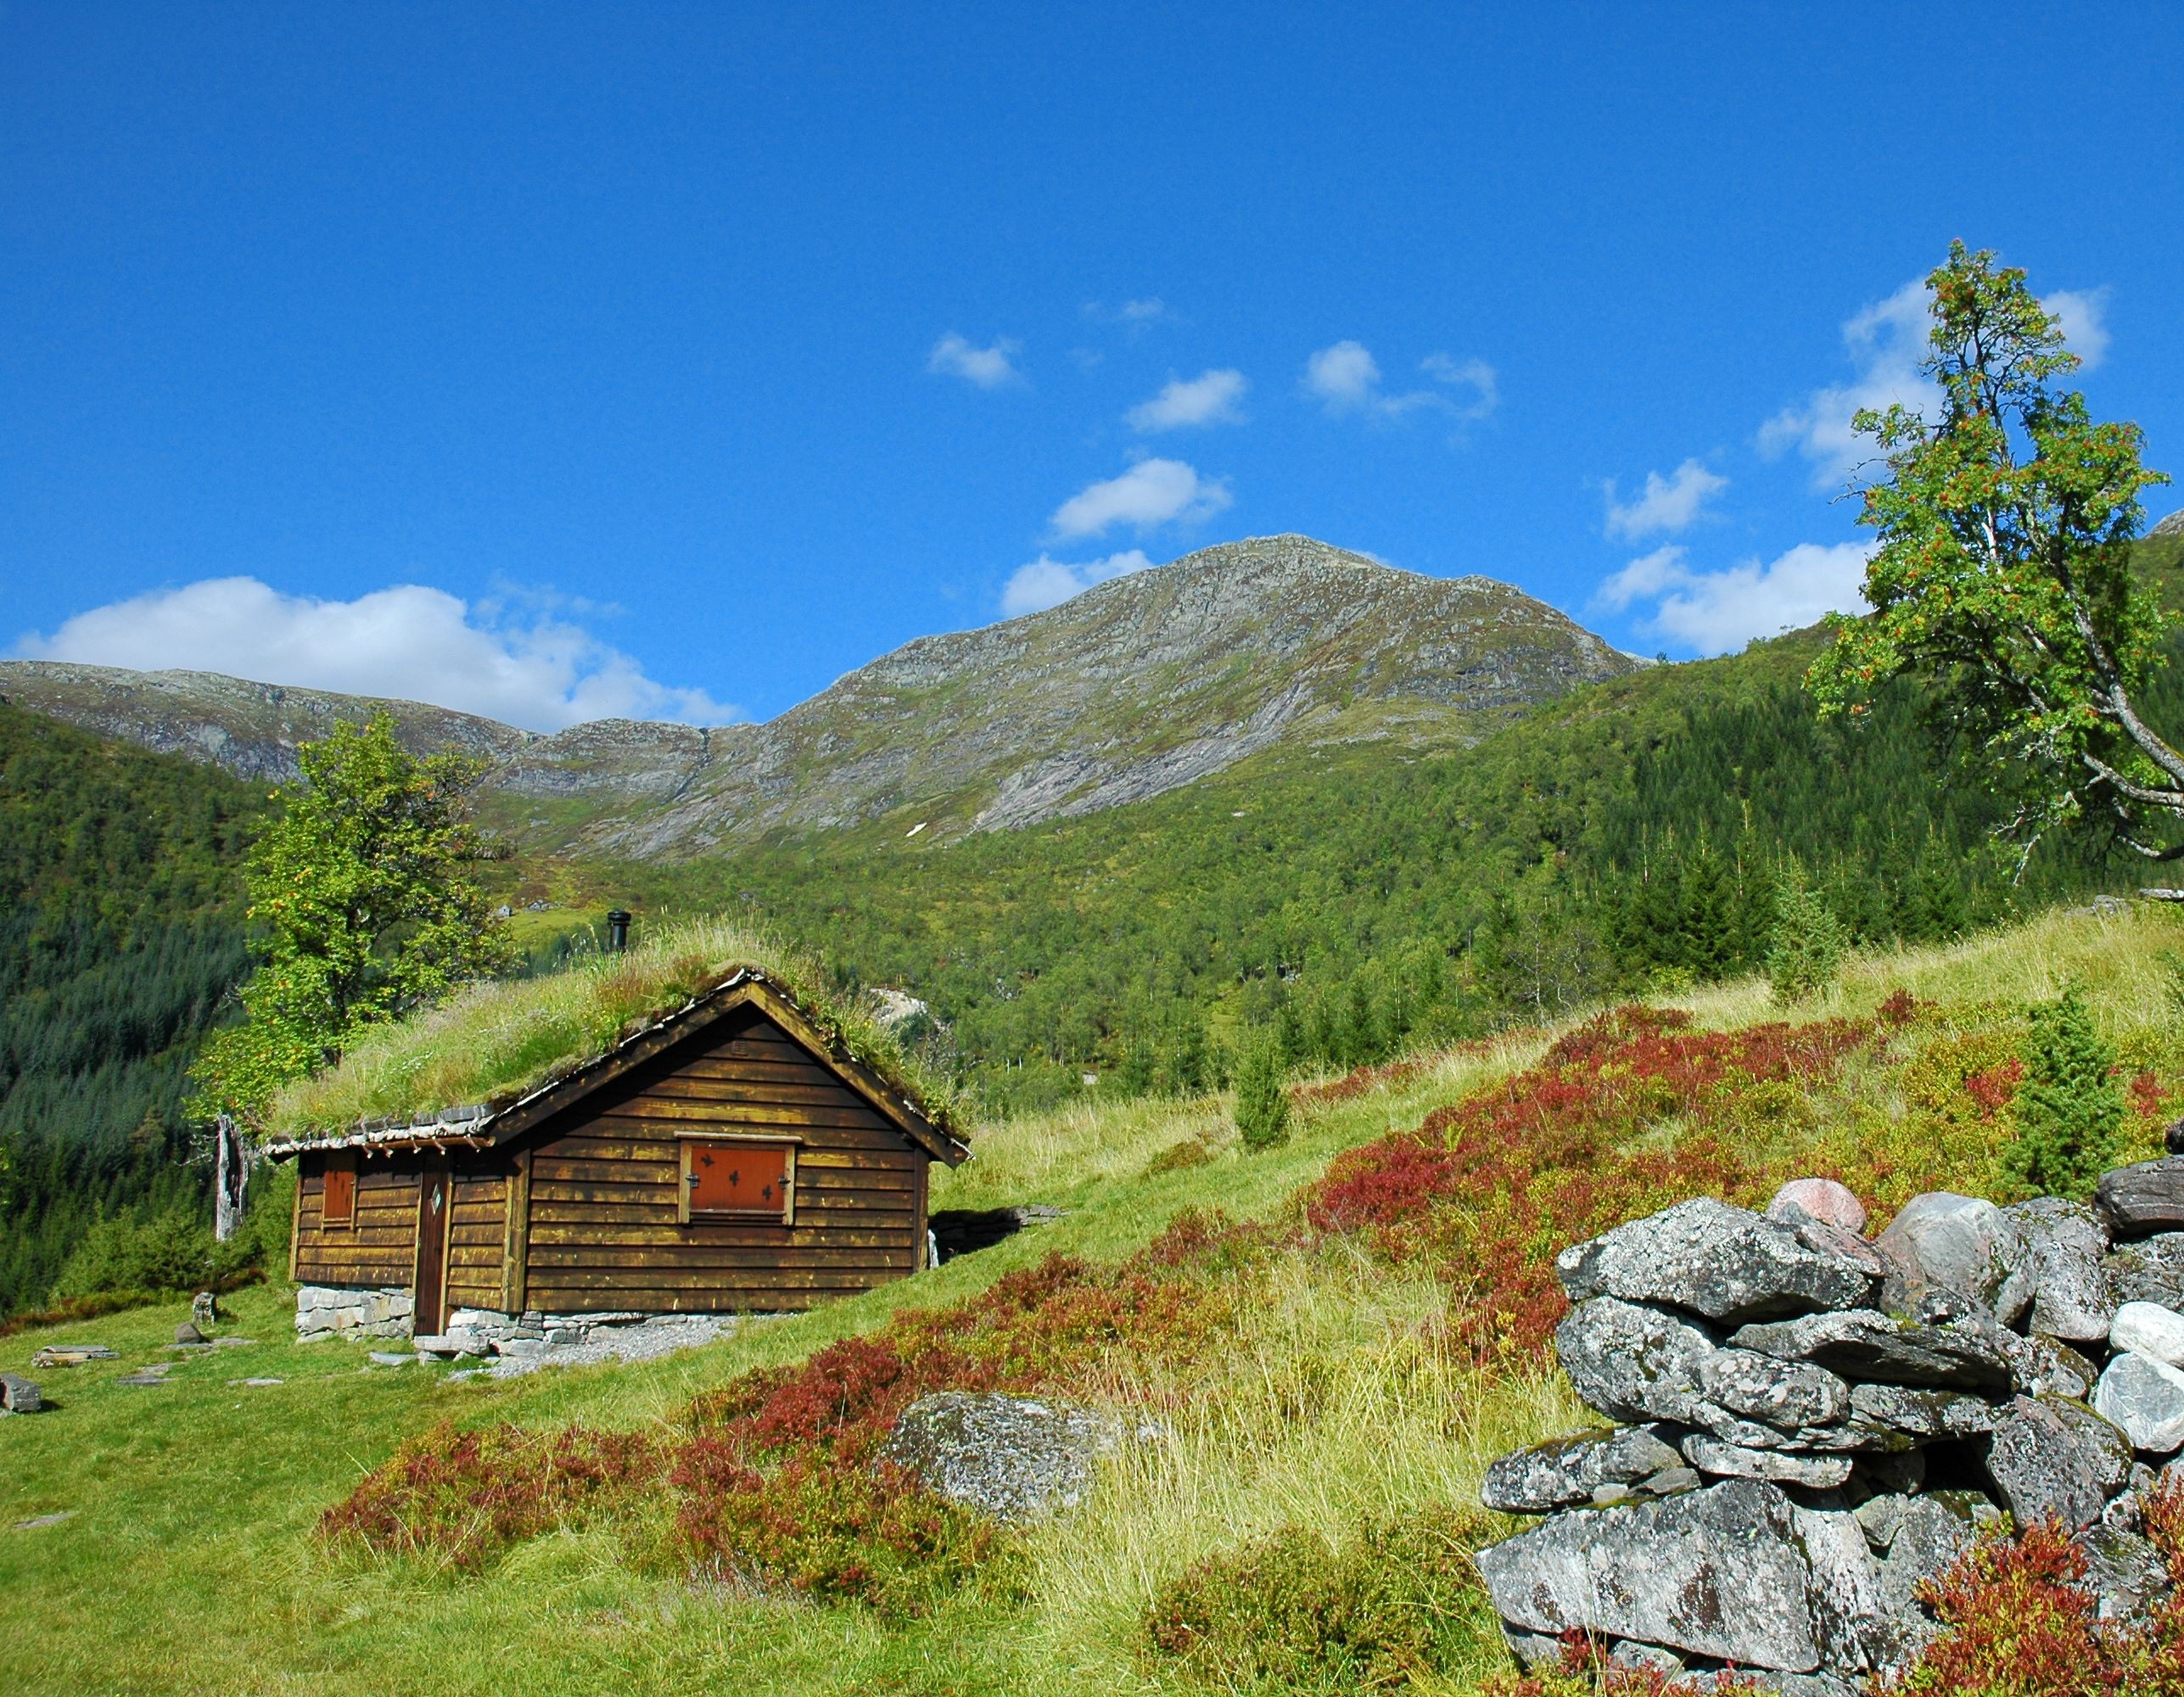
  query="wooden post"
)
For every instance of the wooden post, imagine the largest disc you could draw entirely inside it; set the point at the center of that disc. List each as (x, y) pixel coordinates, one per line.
(516, 1238)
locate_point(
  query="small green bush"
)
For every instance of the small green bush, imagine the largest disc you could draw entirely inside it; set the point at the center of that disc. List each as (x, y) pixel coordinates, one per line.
(2068, 1111)
(172, 1251)
(1398, 1598)
(1805, 949)
(1262, 1103)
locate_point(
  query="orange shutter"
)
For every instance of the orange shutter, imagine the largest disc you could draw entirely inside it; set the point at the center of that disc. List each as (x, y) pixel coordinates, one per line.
(737, 1178)
(340, 1207)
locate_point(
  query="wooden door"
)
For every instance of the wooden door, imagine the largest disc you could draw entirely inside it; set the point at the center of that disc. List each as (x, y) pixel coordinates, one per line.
(434, 1193)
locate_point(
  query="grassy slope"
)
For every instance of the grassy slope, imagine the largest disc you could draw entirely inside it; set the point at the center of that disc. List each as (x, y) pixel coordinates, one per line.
(188, 1565)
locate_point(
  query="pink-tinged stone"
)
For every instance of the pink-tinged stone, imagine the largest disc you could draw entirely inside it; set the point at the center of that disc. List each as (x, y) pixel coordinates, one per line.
(1823, 1199)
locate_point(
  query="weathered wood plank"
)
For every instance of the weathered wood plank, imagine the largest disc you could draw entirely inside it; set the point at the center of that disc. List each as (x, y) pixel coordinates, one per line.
(551, 1262)
(664, 1279)
(515, 1268)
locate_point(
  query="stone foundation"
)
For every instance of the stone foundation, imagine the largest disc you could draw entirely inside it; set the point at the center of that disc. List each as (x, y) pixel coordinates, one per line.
(324, 1311)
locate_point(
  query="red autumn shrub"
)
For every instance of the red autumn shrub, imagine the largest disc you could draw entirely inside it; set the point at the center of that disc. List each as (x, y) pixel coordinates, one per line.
(467, 1495)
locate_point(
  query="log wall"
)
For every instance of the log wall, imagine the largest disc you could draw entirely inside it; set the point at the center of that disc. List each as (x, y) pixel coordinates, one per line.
(381, 1247)
(604, 1178)
(478, 1231)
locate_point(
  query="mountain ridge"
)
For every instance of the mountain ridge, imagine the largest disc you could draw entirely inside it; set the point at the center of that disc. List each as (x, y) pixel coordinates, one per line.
(1132, 687)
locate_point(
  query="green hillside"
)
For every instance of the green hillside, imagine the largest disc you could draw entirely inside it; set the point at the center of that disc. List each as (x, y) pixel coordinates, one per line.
(1367, 895)
(120, 934)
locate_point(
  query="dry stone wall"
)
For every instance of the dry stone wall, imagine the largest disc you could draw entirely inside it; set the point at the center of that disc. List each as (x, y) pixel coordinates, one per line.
(1809, 1421)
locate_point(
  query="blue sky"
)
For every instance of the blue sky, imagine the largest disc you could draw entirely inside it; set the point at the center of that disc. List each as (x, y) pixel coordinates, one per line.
(552, 361)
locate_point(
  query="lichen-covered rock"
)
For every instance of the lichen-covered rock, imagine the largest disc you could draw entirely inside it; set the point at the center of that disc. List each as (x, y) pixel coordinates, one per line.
(1922, 1413)
(2148, 1328)
(2145, 1397)
(2063, 1268)
(2150, 1270)
(1965, 1352)
(1920, 1536)
(1719, 1460)
(2046, 1367)
(2125, 1574)
(1942, 1240)
(2049, 1457)
(1017, 1458)
(1786, 1395)
(1819, 1199)
(1722, 1572)
(2140, 1199)
(1724, 1263)
(18, 1395)
(1634, 1363)
(1567, 1471)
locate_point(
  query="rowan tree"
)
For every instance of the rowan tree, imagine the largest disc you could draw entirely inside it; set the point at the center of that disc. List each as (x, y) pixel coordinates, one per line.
(2003, 573)
(365, 888)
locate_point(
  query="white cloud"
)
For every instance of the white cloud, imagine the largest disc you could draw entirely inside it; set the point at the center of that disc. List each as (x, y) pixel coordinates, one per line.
(1152, 492)
(1132, 315)
(2084, 313)
(1886, 342)
(408, 643)
(1346, 378)
(988, 368)
(1665, 504)
(1047, 582)
(1211, 398)
(1716, 613)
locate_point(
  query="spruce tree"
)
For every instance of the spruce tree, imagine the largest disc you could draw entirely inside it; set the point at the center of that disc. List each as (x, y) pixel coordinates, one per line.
(2069, 1113)
(1805, 950)
(1262, 1103)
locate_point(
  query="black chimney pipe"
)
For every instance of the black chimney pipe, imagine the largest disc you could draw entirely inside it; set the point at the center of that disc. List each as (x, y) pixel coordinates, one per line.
(618, 931)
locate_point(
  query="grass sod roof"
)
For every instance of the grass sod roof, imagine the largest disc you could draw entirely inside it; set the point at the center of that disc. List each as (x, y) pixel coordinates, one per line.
(496, 1043)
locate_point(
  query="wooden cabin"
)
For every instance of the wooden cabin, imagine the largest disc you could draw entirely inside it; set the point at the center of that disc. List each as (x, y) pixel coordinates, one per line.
(728, 1158)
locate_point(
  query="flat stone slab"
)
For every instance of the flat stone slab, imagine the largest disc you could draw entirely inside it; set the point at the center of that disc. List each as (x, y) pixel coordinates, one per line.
(1568, 1470)
(146, 1377)
(51, 1520)
(73, 1354)
(18, 1395)
(388, 1358)
(1866, 1344)
(2141, 1200)
(1922, 1413)
(1634, 1363)
(1717, 1572)
(256, 1381)
(1719, 1460)
(1723, 1264)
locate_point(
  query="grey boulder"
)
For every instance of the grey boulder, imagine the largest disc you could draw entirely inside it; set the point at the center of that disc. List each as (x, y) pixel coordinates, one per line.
(1017, 1458)
(1942, 1240)
(2148, 1328)
(1633, 1363)
(1922, 1413)
(2144, 1397)
(2125, 1574)
(2063, 1268)
(18, 1395)
(1967, 1352)
(2052, 1458)
(2140, 1199)
(1786, 1395)
(1567, 1471)
(1734, 1571)
(1725, 1263)
(2150, 1270)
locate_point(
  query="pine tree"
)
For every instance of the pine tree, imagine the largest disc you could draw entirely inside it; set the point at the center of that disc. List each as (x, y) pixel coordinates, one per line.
(1804, 951)
(1262, 1103)
(2069, 1113)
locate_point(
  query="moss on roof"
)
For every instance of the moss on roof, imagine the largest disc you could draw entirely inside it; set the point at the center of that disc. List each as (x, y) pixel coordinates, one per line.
(496, 1042)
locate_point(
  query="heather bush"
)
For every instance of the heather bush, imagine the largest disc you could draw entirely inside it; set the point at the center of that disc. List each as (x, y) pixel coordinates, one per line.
(2068, 1114)
(1285, 1613)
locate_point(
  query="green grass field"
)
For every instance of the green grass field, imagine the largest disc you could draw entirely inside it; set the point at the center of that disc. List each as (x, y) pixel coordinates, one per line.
(187, 1561)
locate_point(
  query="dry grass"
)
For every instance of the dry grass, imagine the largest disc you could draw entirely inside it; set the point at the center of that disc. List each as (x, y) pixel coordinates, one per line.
(496, 1041)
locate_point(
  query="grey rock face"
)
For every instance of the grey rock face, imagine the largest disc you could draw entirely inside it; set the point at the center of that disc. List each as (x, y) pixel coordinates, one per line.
(2045, 1367)
(1950, 1242)
(1567, 1471)
(1865, 1344)
(2148, 1328)
(1719, 1460)
(1787, 1395)
(18, 1395)
(2072, 1297)
(1017, 1458)
(1819, 1199)
(2150, 1270)
(1633, 1363)
(1725, 1263)
(2140, 1199)
(1925, 1534)
(1717, 1572)
(2125, 1574)
(2144, 1397)
(1927, 1414)
(2049, 1457)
